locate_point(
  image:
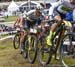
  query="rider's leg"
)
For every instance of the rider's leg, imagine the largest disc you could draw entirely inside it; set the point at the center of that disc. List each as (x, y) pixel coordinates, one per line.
(49, 41)
(23, 35)
(52, 33)
(53, 29)
(23, 32)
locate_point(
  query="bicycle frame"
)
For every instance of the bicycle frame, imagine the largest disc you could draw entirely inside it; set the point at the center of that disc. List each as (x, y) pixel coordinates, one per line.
(60, 33)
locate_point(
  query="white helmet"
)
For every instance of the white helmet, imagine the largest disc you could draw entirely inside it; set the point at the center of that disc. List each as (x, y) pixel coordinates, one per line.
(39, 7)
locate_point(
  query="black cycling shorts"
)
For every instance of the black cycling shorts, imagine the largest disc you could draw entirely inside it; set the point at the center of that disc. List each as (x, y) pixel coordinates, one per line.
(30, 24)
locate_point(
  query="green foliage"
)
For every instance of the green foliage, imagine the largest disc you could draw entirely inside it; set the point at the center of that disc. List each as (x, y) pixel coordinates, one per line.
(66, 9)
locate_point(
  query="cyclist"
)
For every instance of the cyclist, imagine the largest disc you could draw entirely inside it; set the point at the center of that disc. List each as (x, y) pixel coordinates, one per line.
(19, 23)
(33, 17)
(58, 16)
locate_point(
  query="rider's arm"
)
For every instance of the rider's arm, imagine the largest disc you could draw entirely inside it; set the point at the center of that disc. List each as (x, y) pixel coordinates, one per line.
(17, 21)
(30, 12)
(53, 7)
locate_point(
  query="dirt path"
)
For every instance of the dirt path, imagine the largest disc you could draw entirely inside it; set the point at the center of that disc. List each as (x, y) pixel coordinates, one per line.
(9, 57)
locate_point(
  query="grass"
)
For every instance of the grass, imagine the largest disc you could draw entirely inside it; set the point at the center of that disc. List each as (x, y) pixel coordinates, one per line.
(10, 18)
(10, 57)
(1, 36)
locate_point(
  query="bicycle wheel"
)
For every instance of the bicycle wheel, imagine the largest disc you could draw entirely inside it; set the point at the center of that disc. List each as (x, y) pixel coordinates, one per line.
(25, 49)
(67, 51)
(44, 51)
(16, 41)
(32, 48)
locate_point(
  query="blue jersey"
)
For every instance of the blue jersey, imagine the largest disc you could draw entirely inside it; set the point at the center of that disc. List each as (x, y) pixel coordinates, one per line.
(69, 16)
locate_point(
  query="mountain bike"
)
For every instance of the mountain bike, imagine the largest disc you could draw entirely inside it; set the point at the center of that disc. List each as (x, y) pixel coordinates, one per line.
(67, 49)
(32, 43)
(31, 46)
(46, 53)
(16, 40)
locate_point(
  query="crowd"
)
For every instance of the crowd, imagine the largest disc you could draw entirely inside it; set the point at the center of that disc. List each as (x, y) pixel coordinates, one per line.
(4, 28)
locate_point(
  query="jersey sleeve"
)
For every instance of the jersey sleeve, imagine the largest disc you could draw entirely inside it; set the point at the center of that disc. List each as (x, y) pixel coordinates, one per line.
(30, 12)
(54, 6)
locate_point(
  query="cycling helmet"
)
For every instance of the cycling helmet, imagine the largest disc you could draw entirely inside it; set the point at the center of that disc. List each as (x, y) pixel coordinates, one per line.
(39, 7)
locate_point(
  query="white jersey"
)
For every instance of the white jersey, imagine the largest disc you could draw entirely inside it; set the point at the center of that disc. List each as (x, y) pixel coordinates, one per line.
(30, 12)
(31, 15)
(67, 4)
(59, 3)
(49, 1)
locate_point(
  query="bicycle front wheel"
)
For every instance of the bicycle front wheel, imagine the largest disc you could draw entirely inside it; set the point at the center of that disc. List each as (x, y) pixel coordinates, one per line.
(32, 48)
(44, 51)
(16, 41)
(67, 51)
